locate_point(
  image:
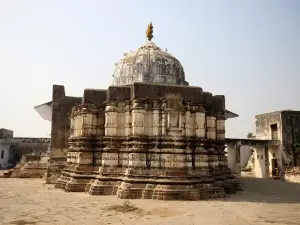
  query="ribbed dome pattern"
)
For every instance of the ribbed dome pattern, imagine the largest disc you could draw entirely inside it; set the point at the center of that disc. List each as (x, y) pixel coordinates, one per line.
(149, 64)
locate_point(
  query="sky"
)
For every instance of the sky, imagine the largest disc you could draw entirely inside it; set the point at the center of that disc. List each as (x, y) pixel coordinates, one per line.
(248, 51)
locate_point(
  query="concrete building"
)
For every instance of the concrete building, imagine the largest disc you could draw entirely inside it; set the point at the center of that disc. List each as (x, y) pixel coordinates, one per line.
(6, 152)
(271, 149)
(13, 148)
(283, 126)
(149, 135)
(258, 151)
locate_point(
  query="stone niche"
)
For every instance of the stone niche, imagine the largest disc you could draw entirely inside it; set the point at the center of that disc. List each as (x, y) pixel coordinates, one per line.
(148, 141)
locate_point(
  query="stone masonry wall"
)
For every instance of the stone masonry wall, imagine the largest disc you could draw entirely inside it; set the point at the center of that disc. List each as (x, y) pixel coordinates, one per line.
(147, 141)
(293, 175)
(61, 110)
(94, 96)
(120, 98)
(290, 131)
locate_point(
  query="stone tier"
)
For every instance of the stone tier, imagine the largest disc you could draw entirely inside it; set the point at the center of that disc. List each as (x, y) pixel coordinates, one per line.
(75, 181)
(163, 168)
(84, 159)
(166, 168)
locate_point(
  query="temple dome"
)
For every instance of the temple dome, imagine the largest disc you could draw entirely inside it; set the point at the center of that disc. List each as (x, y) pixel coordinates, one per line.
(149, 64)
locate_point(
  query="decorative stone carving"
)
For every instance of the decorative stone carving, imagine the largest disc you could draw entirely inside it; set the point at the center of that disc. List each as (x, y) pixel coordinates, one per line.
(111, 116)
(211, 127)
(220, 126)
(138, 118)
(169, 146)
(149, 64)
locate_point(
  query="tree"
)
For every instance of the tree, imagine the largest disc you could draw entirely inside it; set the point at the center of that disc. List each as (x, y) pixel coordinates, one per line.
(297, 143)
(249, 135)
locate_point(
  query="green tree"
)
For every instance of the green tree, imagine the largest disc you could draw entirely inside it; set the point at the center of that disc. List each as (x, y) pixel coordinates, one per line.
(249, 135)
(297, 143)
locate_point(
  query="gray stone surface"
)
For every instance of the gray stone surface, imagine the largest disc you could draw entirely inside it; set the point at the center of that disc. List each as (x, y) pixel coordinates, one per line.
(149, 64)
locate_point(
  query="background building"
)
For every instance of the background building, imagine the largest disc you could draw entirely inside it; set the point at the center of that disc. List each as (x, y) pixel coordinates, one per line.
(283, 126)
(13, 148)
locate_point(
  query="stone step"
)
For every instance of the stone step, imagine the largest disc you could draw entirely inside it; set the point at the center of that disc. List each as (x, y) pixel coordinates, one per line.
(6, 174)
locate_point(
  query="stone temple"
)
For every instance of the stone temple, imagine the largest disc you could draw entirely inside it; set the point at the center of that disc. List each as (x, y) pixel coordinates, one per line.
(150, 135)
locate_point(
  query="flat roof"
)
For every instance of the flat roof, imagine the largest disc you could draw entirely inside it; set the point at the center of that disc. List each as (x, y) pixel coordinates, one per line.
(277, 112)
(250, 141)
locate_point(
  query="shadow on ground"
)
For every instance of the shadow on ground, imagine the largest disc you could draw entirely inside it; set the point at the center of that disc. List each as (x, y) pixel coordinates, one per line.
(266, 191)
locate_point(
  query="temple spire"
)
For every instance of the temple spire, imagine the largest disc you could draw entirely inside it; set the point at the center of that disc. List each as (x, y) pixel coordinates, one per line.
(149, 32)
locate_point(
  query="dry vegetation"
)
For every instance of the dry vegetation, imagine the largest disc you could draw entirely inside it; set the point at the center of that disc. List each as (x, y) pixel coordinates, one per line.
(127, 206)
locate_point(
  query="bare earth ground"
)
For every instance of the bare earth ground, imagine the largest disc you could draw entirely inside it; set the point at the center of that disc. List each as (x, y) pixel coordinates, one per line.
(25, 201)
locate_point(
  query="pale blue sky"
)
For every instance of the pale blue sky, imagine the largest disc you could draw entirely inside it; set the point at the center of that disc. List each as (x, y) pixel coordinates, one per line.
(247, 50)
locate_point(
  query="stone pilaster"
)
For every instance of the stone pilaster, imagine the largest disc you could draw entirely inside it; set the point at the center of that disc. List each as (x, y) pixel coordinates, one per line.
(121, 109)
(89, 121)
(211, 125)
(200, 121)
(148, 118)
(106, 182)
(138, 113)
(188, 121)
(220, 126)
(136, 171)
(128, 122)
(156, 118)
(111, 118)
(164, 118)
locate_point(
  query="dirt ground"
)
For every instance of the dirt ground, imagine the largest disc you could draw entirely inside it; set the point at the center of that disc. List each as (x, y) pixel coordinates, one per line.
(25, 201)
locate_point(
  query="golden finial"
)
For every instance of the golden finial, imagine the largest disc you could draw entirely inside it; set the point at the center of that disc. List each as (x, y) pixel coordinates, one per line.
(149, 32)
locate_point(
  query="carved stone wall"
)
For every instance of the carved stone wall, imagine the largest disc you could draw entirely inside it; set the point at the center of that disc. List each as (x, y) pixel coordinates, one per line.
(169, 116)
(165, 146)
(152, 117)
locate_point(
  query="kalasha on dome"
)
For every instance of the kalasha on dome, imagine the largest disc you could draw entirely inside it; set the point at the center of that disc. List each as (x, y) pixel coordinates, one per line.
(149, 64)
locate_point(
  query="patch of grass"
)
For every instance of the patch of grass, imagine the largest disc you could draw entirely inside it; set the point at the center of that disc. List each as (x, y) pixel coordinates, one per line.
(127, 206)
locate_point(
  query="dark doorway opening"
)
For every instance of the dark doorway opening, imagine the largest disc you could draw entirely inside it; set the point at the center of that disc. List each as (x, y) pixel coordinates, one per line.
(274, 131)
(274, 167)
